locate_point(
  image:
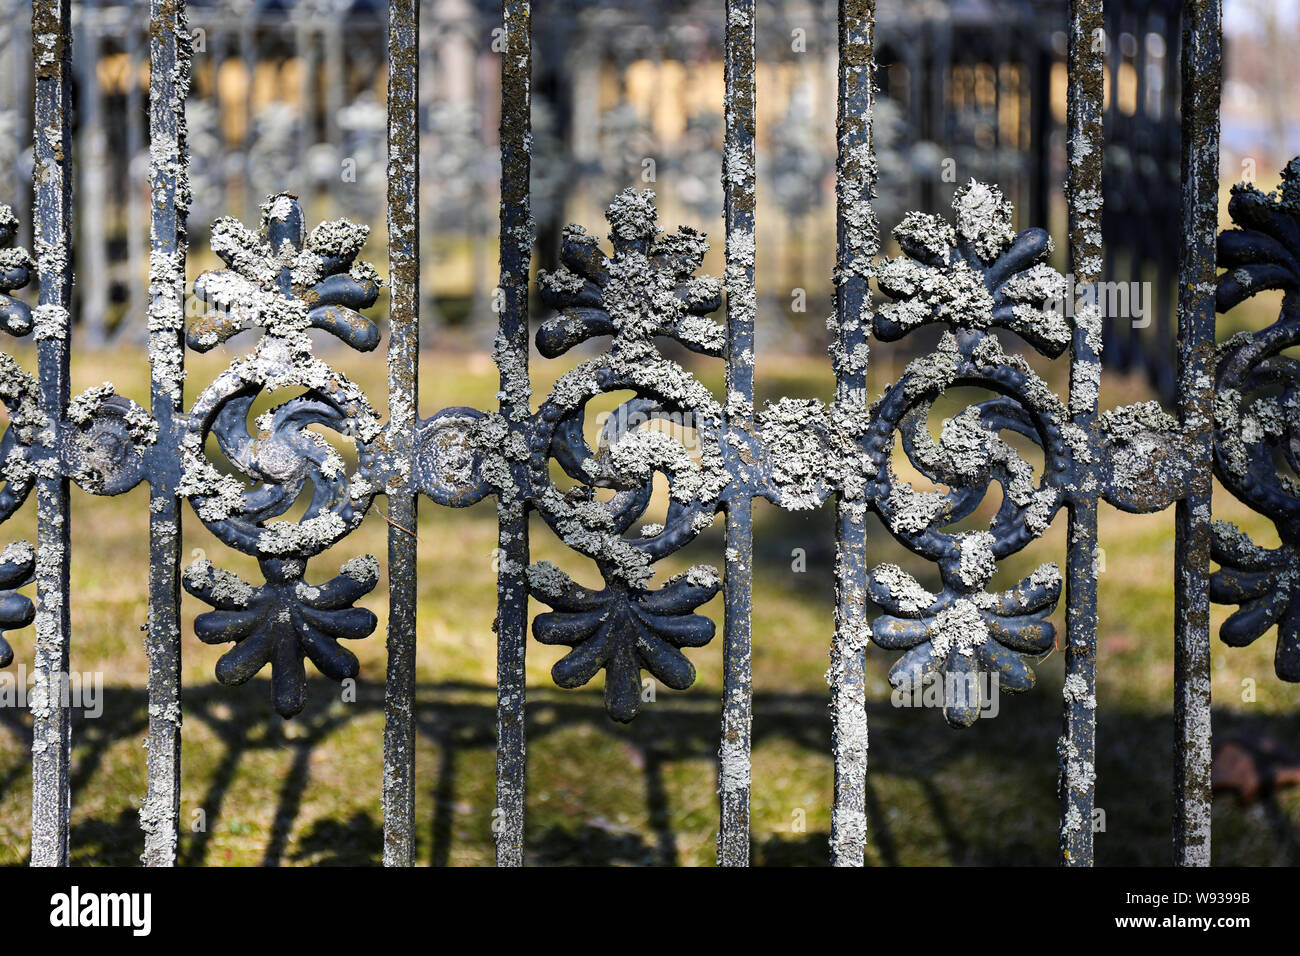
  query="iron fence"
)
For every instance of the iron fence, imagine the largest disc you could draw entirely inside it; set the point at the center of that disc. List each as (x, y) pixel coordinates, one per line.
(970, 274)
(289, 96)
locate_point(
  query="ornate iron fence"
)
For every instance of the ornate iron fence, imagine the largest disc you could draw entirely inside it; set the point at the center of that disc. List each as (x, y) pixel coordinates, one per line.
(280, 102)
(971, 274)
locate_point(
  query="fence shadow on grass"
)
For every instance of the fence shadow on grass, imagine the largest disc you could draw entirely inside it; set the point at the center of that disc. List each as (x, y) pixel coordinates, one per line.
(984, 796)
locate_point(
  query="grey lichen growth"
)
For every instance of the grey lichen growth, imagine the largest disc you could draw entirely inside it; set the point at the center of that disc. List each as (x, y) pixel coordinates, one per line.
(364, 569)
(977, 563)
(977, 275)
(962, 633)
(1146, 456)
(983, 219)
(623, 629)
(16, 268)
(647, 288)
(794, 435)
(285, 283)
(957, 629)
(222, 584)
(282, 622)
(905, 590)
(1075, 690)
(973, 275)
(49, 322)
(17, 552)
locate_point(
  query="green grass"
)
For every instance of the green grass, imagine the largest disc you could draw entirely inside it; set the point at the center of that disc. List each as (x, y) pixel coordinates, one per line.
(306, 791)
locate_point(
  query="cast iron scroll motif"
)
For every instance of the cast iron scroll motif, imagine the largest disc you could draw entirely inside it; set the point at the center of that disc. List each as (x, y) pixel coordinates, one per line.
(1256, 410)
(974, 276)
(286, 282)
(646, 289)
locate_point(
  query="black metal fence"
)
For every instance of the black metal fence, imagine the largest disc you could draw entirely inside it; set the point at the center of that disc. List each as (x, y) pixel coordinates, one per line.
(289, 96)
(971, 274)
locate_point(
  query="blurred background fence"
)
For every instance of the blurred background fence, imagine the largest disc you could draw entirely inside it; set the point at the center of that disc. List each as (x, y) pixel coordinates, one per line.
(291, 96)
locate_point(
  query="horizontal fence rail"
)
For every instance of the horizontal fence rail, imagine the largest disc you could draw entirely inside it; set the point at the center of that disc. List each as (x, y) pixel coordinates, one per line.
(990, 291)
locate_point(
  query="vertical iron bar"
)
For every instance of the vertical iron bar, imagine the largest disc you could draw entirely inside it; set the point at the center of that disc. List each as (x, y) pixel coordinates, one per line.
(51, 740)
(403, 379)
(857, 243)
(1076, 786)
(511, 353)
(304, 46)
(1201, 74)
(739, 197)
(12, 100)
(336, 72)
(169, 78)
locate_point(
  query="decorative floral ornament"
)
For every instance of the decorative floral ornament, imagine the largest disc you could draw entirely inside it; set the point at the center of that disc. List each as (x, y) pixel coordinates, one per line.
(17, 567)
(646, 289)
(1263, 252)
(1266, 584)
(287, 282)
(277, 283)
(623, 630)
(962, 635)
(283, 621)
(971, 275)
(16, 265)
(21, 398)
(974, 275)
